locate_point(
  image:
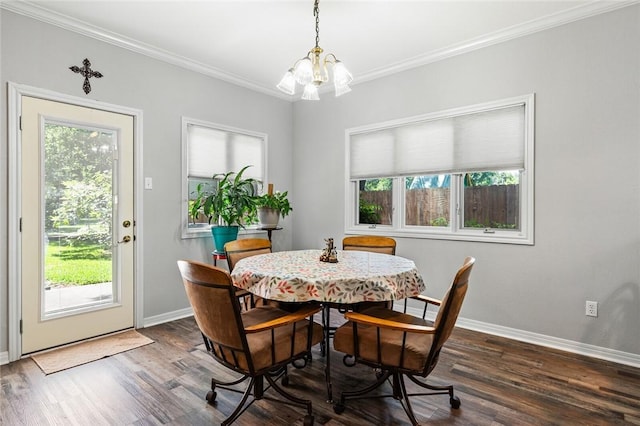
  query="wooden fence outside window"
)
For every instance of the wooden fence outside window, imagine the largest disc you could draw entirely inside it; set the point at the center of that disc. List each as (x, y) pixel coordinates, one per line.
(495, 206)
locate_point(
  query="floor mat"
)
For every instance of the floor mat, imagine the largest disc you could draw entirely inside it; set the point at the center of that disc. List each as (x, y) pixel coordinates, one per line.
(91, 350)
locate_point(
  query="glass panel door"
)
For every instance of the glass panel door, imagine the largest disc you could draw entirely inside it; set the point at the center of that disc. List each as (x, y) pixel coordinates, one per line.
(77, 224)
(78, 221)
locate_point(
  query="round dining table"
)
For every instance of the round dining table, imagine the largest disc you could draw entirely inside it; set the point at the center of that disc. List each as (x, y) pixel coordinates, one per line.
(300, 276)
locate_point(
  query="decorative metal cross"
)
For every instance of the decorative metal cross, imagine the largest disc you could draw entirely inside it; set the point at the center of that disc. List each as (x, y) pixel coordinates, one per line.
(87, 73)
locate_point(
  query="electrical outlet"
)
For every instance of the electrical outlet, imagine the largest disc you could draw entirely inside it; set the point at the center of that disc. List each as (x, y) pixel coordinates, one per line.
(591, 309)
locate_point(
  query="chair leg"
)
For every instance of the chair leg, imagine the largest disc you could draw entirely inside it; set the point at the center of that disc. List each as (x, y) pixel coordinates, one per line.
(404, 400)
(454, 401)
(399, 393)
(240, 408)
(308, 420)
(211, 395)
(304, 402)
(357, 394)
(256, 389)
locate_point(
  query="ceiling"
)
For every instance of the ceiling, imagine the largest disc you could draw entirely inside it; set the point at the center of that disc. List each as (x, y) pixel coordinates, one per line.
(252, 43)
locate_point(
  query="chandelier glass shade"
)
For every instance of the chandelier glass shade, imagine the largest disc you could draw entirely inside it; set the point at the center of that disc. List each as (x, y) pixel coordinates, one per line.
(312, 71)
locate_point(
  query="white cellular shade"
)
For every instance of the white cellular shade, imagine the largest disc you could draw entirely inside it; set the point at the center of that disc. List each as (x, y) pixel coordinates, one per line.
(425, 146)
(247, 150)
(491, 140)
(372, 154)
(212, 151)
(485, 140)
(207, 151)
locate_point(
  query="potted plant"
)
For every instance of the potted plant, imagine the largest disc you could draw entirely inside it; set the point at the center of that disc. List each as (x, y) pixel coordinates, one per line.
(230, 205)
(272, 206)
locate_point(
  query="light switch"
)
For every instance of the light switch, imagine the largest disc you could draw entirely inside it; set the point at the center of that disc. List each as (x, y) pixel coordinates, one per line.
(148, 183)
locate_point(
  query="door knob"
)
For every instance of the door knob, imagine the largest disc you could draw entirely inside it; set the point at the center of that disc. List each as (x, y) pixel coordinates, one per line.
(125, 239)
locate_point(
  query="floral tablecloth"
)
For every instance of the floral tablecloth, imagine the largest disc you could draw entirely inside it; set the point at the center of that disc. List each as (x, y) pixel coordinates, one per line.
(299, 276)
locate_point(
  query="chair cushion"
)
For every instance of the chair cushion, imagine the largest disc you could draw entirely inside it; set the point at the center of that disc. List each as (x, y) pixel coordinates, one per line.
(260, 343)
(416, 349)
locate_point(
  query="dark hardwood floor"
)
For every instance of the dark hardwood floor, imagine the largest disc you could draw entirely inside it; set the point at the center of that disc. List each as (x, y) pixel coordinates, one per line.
(499, 381)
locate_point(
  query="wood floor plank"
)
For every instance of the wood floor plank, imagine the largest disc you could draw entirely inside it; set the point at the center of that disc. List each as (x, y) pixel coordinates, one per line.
(499, 381)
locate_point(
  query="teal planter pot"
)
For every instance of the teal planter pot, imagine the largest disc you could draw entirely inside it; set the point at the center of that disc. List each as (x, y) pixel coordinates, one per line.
(222, 235)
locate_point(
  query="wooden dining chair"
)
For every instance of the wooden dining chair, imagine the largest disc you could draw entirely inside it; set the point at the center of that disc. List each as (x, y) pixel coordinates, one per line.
(257, 343)
(401, 345)
(374, 243)
(239, 249)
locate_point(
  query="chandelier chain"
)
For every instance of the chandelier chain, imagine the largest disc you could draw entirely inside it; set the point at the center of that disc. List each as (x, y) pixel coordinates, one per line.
(316, 13)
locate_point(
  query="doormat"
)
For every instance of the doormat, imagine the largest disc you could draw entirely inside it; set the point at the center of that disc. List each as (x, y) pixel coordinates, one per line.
(88, 351)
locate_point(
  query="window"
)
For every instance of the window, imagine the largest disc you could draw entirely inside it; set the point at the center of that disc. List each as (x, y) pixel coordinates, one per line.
(209, 149)
(375, 201)
(464, 174)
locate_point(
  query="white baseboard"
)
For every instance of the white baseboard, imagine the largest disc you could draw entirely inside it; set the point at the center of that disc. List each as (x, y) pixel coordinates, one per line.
(580, 348)
(593, 351)
(167, 317)
(4, 358)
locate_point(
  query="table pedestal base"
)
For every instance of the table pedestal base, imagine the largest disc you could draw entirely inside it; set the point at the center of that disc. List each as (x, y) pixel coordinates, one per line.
(326, 350)
(328, 330)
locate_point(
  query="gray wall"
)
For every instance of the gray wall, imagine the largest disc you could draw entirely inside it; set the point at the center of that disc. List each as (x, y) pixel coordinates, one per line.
(38, 54)
(587, 225)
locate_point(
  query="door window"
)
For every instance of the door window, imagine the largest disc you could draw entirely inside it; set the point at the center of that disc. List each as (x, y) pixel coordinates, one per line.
(78, 220)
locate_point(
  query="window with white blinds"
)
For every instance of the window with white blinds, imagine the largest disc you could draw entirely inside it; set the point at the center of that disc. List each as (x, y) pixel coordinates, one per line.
(461, 162)
(209, 149)
(213, 150)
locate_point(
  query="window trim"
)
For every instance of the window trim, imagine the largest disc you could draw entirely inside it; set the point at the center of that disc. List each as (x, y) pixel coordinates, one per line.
(204, 231)
(455, 231)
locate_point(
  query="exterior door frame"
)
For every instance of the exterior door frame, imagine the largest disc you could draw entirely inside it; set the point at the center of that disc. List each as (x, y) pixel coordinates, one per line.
(15, 93)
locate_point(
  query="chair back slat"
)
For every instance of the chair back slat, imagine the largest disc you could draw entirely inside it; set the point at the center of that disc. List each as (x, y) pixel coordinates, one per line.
(239, 249)
(372, 243)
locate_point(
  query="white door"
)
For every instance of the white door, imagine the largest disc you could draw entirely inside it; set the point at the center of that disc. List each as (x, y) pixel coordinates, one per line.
(77, 225)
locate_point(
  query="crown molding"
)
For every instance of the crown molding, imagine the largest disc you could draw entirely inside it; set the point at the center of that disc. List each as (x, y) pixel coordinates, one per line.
(39, 13)
(577, 13)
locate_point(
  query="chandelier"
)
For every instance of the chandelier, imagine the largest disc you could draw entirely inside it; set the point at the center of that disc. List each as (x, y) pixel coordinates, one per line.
(311, 71)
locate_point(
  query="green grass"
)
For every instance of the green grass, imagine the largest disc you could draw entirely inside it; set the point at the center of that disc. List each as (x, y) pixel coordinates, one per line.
(80, 264)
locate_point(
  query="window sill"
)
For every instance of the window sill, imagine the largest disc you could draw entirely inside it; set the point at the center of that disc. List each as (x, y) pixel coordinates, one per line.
(501, 237)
